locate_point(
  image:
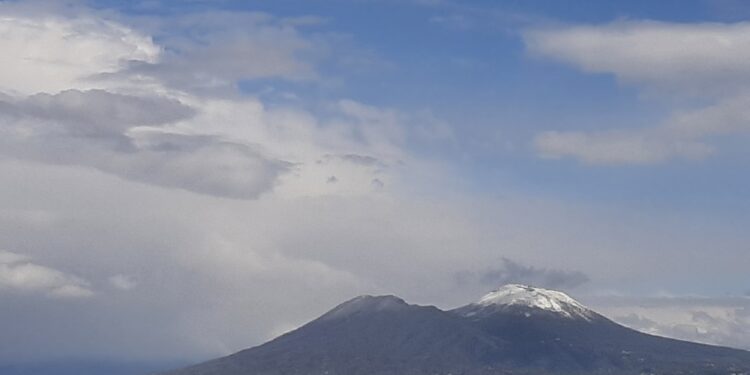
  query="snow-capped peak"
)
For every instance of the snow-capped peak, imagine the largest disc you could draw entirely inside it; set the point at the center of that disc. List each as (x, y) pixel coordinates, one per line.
(539, 298)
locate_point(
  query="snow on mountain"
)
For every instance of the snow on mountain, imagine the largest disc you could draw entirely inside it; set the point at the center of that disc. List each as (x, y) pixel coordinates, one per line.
(530, 297)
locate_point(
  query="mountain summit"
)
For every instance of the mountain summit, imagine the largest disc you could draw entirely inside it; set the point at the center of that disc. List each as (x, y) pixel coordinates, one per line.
(365, 304)
(527, 300)
(516, 329)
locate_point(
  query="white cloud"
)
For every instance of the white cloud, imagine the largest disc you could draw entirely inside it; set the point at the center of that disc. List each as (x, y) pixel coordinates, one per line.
(707, 61)
(19, 274)
(689, 56)
(52, 54)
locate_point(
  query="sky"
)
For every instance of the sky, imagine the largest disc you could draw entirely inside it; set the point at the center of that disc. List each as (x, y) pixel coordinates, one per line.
(184, 179)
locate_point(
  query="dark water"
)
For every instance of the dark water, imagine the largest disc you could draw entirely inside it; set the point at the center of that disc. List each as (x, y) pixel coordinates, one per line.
(88, 368)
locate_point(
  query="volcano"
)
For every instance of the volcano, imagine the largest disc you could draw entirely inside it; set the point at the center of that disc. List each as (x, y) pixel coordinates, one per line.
(516, 329)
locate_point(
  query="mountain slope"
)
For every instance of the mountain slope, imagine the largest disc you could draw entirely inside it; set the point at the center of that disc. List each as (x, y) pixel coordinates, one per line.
(551, 331)
(514, 330)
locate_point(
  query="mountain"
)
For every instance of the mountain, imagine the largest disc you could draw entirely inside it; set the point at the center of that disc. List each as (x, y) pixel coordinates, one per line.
(516, 329)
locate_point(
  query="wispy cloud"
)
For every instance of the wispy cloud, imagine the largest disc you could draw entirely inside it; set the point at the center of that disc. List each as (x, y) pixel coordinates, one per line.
(703, 61)
(618, 147)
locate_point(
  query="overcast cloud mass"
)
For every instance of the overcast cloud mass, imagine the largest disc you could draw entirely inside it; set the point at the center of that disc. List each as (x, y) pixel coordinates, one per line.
(182, 180)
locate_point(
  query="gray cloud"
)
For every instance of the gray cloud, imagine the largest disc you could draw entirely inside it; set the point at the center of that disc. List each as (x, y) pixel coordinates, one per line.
(201, 164)
(514, 272)
(363, 160)
(94, 128)
(96, 112)
(98, 115)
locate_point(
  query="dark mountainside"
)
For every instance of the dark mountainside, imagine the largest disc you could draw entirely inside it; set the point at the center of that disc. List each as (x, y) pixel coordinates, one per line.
(514, 330)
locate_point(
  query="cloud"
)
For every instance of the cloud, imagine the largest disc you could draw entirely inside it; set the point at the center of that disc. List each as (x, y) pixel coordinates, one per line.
(698, 57)
(362, 160)
(704, 61)
(711, 320)
(123, 282)
(618, 147)
(148, 117)
(724, 117)
(121, 143)
(19, 274)
(59, 48)
(53, 53)
(207, 266)
(638, 322)
(97, 128)
(513, 272)
(96, 112)
(114, 126)
(213, 51)
(201, 164)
